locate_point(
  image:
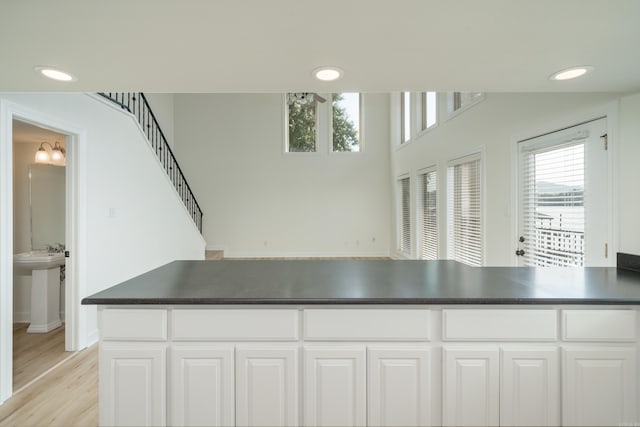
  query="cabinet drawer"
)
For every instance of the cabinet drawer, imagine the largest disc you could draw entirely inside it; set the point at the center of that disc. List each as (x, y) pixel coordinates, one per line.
(227, 325)
(364, 325)
(599, 325)
(500, 325)
(133, 325)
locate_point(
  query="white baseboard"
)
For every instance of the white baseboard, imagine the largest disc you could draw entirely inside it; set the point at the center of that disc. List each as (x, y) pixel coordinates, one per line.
(25, 316)
(44, 328)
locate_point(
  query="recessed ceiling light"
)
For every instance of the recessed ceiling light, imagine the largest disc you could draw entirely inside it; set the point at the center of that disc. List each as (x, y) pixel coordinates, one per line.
(571, 73)
(56, 74)
(328, 74)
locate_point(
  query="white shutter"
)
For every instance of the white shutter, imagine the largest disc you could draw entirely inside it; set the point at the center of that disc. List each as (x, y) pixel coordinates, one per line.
(552, 186)
(405, 216)
(428, 215)
(464, 210)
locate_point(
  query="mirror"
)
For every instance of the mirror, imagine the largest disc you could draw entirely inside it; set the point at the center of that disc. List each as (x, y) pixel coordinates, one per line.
(47, 202)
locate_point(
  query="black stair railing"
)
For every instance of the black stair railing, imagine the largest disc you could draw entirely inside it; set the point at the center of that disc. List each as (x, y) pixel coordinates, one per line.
(136, 104)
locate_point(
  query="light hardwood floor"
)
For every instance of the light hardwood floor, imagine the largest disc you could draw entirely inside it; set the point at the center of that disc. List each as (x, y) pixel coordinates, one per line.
(34, 354)
(67, 396)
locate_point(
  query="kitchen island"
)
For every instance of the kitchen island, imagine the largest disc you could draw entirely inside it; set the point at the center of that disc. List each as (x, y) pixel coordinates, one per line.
(369, 343)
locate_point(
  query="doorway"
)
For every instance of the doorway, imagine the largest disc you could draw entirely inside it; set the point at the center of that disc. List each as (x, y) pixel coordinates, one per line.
(39, 217)
(75, 225)
(563, 201)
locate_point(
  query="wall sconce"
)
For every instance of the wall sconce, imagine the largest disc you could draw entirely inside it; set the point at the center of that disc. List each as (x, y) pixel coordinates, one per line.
(56, 156)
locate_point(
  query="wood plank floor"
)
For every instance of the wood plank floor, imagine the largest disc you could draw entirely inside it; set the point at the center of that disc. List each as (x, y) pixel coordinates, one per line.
(34, 354)
(66, 396)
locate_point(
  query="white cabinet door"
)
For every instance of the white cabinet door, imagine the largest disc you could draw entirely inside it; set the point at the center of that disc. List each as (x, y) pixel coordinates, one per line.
(471, 386)
(335, 386)
(399, 384)
(132, 384)
(201, 387)
(530, 387)
(599, 386)
(267, 386)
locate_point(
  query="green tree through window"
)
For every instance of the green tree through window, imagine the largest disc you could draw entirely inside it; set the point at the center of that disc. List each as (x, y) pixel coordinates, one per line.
(345, 133)
(303, 127)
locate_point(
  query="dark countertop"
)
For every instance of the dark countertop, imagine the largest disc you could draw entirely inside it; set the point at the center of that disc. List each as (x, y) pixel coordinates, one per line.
(370, 282)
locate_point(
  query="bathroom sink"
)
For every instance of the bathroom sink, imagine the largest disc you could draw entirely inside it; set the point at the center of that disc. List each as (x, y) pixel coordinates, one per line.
(38, 260)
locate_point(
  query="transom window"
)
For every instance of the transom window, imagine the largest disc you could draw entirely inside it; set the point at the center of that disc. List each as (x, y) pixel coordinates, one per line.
(314, 120)
(428, 110)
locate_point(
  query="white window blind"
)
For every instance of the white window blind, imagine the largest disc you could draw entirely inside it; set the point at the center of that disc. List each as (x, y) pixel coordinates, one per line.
(428, 215)
(464, 211)
(405, 216)
(552, 189)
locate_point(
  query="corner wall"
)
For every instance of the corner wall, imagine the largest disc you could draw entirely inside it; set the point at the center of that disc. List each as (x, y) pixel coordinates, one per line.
(262, 202)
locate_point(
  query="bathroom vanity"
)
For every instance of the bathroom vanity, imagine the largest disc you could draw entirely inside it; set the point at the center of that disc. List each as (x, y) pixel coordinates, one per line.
(45, 288)
(369, 343)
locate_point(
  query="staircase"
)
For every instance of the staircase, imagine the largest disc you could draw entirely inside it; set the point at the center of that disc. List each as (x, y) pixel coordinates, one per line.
(136, 104)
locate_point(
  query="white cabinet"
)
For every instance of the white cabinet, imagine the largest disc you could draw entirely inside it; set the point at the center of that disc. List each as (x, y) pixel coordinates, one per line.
(267, 386)
(599, 386)
(132, 384)
(201, 391)
(471, 386)
(529, 386)
(335, 386)
(510, 385)
(355, 366)
(399, 386)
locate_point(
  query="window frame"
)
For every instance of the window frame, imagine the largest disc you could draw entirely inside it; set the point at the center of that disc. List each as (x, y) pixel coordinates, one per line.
(361, 145)
(324, 127)
(285, 121)
(402, 117)
(421, 113)
(452, 112)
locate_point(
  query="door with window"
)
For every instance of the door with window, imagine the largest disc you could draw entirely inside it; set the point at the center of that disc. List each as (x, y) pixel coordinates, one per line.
(564, 200)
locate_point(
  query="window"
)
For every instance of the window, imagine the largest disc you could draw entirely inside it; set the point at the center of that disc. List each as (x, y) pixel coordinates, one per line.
(460, 101)
(302, 113)
(428, 110)
(346, 122)
(428, 215)
(405, 117)
(563, 198)
(464, 210)
(404, 213)
(317, 120)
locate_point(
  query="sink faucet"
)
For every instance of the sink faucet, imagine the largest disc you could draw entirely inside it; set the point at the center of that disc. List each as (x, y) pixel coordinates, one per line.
(57, 248)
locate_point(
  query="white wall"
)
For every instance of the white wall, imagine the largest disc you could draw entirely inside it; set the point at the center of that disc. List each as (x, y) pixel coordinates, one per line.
(494, 126)
(629, 174)
(135, 220)
(261, 202)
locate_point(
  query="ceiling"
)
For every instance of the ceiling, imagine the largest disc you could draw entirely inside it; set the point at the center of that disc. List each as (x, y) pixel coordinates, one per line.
(273, 45)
